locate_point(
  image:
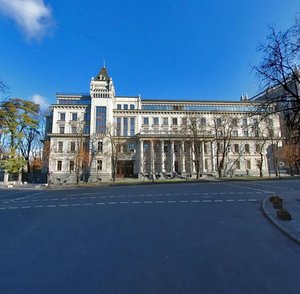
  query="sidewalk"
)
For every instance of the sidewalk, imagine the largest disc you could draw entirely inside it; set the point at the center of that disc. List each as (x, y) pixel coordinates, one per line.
(291, 202)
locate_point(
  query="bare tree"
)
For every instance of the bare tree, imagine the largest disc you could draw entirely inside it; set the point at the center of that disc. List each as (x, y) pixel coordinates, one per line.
(222, 127)
(280, 76)
(197, 131)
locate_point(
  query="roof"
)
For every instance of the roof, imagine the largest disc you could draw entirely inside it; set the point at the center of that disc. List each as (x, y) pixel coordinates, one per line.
(102, 75)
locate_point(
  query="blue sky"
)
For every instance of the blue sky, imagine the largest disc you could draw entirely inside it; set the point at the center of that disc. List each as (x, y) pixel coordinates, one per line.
(197, 49)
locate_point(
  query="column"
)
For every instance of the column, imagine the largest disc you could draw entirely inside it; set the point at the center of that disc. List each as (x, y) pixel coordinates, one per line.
(202, 157)
(212, 155)
(152, 167)
(142, 157)
(172, 157)
(162, 165)
(183, 157)
(193, 157)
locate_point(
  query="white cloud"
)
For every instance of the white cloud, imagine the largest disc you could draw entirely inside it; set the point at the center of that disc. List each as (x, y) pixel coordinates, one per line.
(42, 101)
(32, 16)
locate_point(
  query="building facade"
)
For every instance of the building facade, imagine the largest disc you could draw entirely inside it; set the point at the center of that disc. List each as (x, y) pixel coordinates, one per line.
(99, 136)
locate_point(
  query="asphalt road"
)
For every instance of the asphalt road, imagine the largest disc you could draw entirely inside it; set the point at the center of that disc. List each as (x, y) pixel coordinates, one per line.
(171, 238)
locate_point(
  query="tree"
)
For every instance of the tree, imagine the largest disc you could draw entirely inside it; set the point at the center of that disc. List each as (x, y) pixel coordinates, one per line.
(16, 117)
(222, 127)
(280, 76)
(197, 131)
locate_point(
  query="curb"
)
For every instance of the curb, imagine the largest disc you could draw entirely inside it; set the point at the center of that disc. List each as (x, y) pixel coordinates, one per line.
(277, 224)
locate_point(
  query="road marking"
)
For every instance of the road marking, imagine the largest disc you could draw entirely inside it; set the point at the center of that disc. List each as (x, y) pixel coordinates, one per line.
(172, 201)
(206, 201)
(148, 202)
(112, 202)
(100, 203)
(124, 202)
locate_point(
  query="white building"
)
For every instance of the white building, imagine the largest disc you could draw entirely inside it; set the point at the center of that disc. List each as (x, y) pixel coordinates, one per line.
(90, 134)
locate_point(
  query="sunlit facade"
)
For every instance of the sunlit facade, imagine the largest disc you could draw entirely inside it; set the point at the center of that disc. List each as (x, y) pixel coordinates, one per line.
(92, 135)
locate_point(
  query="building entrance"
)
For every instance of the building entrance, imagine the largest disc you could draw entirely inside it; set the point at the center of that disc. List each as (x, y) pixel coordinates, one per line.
(125, 169)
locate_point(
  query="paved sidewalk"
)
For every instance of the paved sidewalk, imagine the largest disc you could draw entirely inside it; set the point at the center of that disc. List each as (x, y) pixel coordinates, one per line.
(291, 202)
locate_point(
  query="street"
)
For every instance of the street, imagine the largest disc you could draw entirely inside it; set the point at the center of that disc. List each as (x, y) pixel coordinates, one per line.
(204, 237)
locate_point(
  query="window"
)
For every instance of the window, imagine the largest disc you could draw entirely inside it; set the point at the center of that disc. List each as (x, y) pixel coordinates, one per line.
(165, 121)
(86, 129)
(245, 122)
(174, 121)
(131, 106)
(61, 129)
(73, 130)
(131, 147)
(246, 133)
(146, 121)
(125, 126)
(118, 126)
(100, 119)
(132, 126)
(205, 148)
(87, 117)
(99, 164)
(72, 165)
(258, 163)
(257, 148)
(125, 106)
(62, 116)
(166, 148)
(219, 121)
(235, 133)
(155, 121)
(248, 164)
(74, 116)
(59, 165)
(234, 122)
(100, 146)
(125, 148)
(60, 147)
(247, 148)
(236, 148)
(119, 106)
(203, 121)
(238, 164)
(184, 121)
(72, 147)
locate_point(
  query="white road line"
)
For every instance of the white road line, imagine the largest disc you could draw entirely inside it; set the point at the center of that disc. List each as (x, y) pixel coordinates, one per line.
(229, 200)
(50, 206)
(218, 200)
(206, 201)
(39, 206)
(183, 201)
(63, 205)
(252, 200)
(136, 202)
(26, 207)
(195, 201)
(172, 201)
(160, 201)
(87, 204)
(14, 207)
(148, 202)
(124, 202)
(241, 200)
(75, 204)
(100, 203)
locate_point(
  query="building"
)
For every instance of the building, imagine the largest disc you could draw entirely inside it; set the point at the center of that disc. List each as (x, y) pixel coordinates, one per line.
(100, 135)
